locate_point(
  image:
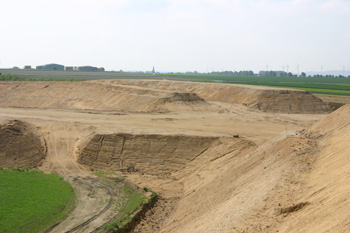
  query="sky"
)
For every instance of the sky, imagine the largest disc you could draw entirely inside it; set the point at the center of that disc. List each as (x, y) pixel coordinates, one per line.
(177, 35)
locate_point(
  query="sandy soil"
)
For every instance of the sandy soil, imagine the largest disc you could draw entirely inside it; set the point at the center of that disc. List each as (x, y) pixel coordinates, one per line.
(268, 171)
(67, 132)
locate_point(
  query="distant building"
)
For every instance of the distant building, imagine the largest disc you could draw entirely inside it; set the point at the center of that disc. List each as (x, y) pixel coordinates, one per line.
(69, 68)
(89, 68)
(50, 67)
(27, 67)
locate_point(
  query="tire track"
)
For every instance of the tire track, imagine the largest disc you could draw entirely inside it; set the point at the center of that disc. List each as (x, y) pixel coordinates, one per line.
(111, 198)
(111, 220)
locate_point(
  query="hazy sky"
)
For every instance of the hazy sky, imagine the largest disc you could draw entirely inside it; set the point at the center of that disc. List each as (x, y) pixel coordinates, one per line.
(177, 35)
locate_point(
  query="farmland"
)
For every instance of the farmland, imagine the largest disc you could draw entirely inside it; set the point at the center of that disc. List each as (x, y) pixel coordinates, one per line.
(31, 201)
(319, 85)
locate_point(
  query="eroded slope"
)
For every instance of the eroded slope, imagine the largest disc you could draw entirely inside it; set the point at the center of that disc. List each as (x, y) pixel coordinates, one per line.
(20, 146)
(151, 154)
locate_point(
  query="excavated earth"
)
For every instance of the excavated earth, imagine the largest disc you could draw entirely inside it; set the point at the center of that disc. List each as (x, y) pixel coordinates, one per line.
(20, 145)
(223, 158)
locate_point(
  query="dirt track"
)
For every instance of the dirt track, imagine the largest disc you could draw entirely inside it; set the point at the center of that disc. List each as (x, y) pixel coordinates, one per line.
(265, 167)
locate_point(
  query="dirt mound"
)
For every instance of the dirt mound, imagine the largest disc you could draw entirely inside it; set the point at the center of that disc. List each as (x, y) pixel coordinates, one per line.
(262, 98)
(182, 98)
(98, 96)
(20, 146)
(327, 186)
(150, 154)
(293, 183)
(339, 119)
(240, 190)
(154, 96)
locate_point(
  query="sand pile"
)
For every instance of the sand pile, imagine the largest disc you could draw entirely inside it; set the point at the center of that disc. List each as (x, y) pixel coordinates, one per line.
(327, 188)
(338, 120)
(263, 98)
(293, 183)
(98, 97)
(145, 96)
(20, 146)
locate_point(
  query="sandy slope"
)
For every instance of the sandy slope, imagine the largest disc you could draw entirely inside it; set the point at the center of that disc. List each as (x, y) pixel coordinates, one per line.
(272, 176)
(155, 96)
(266, 99)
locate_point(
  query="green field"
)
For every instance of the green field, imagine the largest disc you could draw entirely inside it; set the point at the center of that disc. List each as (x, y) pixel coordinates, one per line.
(31, 201)
(317, 85)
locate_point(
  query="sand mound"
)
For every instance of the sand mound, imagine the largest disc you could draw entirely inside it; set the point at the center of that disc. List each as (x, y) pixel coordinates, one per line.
(147, 96)
(241, 189)
(150, 154)
(20, 146)
(296, 183)
(339, 119)
(262, 98)
(99, 97)
(327, 186)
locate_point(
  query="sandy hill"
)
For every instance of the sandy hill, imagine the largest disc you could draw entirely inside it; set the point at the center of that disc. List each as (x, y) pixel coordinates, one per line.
(99, 97)
(327, 186)
(293, 183)
(263, 98)
(147, 96)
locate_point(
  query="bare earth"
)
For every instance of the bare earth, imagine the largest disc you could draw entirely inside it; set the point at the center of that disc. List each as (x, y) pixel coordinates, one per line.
(220, 163)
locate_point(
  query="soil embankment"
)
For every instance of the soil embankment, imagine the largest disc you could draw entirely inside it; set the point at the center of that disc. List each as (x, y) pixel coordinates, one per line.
(150, 154)
(327, 187)
(266, 99)
(99, 97)
(133, 96)
(20, 145)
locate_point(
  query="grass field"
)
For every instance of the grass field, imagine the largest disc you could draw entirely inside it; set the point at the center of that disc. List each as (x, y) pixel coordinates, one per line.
(320, 85)
(31, 201)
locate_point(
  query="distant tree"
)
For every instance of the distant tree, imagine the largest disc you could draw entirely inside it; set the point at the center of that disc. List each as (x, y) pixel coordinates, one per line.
(270, 74)
(303, 75)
